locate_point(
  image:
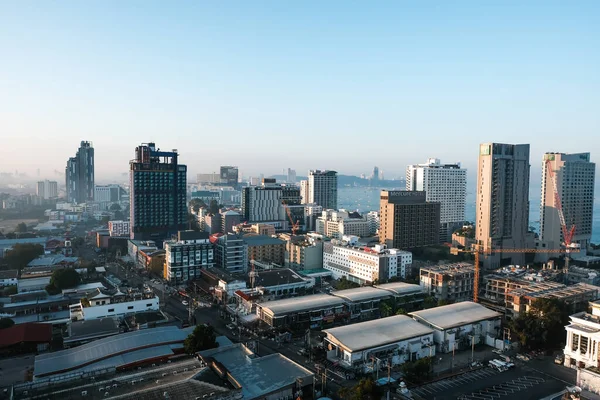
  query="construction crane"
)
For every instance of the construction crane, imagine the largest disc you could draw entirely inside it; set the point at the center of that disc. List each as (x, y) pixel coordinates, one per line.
(567, 233)
(295, 225)
(478, 250)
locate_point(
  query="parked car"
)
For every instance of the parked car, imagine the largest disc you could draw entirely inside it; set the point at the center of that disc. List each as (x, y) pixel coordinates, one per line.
(559, 359)
(185, 303)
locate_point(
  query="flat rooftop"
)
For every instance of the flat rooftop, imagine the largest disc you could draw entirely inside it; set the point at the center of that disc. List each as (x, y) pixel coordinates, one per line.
(276, 277)
(300, 304)
(379, 332)
(554, 290)
(258, 376)
(453, 315)
(450, 269)
(95, 328)
(363, 293)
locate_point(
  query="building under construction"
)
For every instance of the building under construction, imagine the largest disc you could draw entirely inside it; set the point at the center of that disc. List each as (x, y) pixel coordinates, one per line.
(451, 282)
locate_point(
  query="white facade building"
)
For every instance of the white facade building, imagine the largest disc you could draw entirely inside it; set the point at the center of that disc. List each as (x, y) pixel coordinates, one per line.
(118, 228)
(335, 224)
(185, 257)
(304, 192)
(459, 326)
(270, 202)
(111, 309)
(107, 193)
(373, 219)
(368, 346)
(445, 184)
(575, 177)
(583, 339)
(47, 189)
(364, 265)
(322, 188)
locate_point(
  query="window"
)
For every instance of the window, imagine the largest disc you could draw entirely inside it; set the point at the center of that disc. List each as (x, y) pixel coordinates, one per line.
(149, 305)
(130, 307)
(111, 310)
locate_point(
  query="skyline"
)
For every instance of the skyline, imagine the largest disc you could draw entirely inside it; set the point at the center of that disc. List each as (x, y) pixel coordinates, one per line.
(325, 84)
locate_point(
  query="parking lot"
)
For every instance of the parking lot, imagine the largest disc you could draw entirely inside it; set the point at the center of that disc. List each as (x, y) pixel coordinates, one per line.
(489, 384)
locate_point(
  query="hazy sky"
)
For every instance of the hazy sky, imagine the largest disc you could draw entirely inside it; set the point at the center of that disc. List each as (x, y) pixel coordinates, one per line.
(308, 84)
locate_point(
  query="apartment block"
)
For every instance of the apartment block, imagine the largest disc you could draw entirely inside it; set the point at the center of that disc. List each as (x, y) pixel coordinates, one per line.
(445, 184)
(79, 175)
(231, 253)
(186, 256)
(502, 203)
(265, 249)
(118, 228)
(335, 224)
(271, 202)
(47, 189)
(322, 188)
(408, 220)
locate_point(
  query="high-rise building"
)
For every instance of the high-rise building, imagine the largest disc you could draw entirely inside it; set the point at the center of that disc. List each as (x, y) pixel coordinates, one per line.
(265, 203)
(79, 175)
(304, 192)
(291, 175)
(445, 184)
(47, 189)
(202, 179)
(157, 193)
(229, 175)
(322, 188)
(108, 193)
(575, 178)
(408, 220)
(502, 204)
(375, 174)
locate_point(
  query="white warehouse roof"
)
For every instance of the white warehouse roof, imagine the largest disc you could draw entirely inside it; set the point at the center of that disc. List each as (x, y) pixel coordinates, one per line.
(300, 304)
(379, 332)
(401, 288)
(362, 294)
(453, 315)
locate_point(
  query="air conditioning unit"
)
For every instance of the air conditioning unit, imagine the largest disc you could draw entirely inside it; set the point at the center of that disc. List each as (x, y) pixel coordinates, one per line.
(84, 392)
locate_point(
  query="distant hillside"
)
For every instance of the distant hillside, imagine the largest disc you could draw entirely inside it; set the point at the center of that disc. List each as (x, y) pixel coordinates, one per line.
(351, 180)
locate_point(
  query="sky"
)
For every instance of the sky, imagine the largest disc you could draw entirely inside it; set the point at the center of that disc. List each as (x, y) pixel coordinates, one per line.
(267, 85)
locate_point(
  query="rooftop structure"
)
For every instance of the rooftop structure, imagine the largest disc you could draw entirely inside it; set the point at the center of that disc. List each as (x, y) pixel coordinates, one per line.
(114, 351)
(258, 377)
(401, 288)
(80, 332)
(454, 315)
(453, 282)
(379, 332)
(300, 304)
(362, 294)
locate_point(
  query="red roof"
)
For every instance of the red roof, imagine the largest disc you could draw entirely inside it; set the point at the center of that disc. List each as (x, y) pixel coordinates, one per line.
(214, 238)
(30, 332)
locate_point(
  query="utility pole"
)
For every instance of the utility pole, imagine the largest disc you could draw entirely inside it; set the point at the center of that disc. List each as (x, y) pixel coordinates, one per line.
(472, 349)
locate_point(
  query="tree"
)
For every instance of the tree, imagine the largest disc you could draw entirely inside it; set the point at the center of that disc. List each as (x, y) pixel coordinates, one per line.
(365, 389)
(119, 215)
(400, 311)
(196, 204)
(429, 302)
(6, 323)
(344, 283)
(417, 371)
(65, 278)
(21, 228)
(213, 207)
(22, 254)
(115, 207)
(542, 328)
(203, 338)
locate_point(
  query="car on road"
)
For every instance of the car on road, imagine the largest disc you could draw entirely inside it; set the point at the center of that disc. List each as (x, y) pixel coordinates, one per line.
(302, 352)
(230, 326)
(559, 359)
(185, 303)
(523, 357)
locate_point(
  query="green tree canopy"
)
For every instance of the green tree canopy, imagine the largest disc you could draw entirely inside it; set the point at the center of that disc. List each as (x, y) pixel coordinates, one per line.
(21, 228)
(6, 323)
(417, 371)
(202, 338)
(22, 254)
(196, 204)
(542, 328)
(344, 283)
(115, 207)
(429, 302)
(213, 207)
(65, 278)
(365, 389)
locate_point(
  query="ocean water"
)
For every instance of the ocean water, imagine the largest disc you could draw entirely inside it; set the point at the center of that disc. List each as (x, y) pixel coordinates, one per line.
(366, 199)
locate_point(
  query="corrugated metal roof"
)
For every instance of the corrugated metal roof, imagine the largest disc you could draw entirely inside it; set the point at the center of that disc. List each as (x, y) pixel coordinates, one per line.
(379, 332)
(362, 293)
(90, 353)
(304, 303)
(400, 288)
(453, 315)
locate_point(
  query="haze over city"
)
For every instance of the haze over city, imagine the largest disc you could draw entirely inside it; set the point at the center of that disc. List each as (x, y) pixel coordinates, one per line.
(267, 85)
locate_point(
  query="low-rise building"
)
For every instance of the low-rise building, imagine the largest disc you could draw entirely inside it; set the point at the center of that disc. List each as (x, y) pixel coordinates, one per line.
(220, 283)
(365, 265)
(186, 256)
(312, 311)
(451, 282)
(102, 303)
(135, 246)
(118, 228)
(280, 282)
(583, 338)
(335, 224)
(368, 346)
(459, 326)
(265, 249)
(9, 277)
(154, 261)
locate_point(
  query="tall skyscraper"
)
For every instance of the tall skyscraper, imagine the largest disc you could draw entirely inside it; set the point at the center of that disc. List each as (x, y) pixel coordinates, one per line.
(79, 175)
(47, 189)
(291, 175)
(375, 174)
(443, 183)
(157, 193)
(304, 192)
(575, 177)
(322, 188)
(502, 204)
